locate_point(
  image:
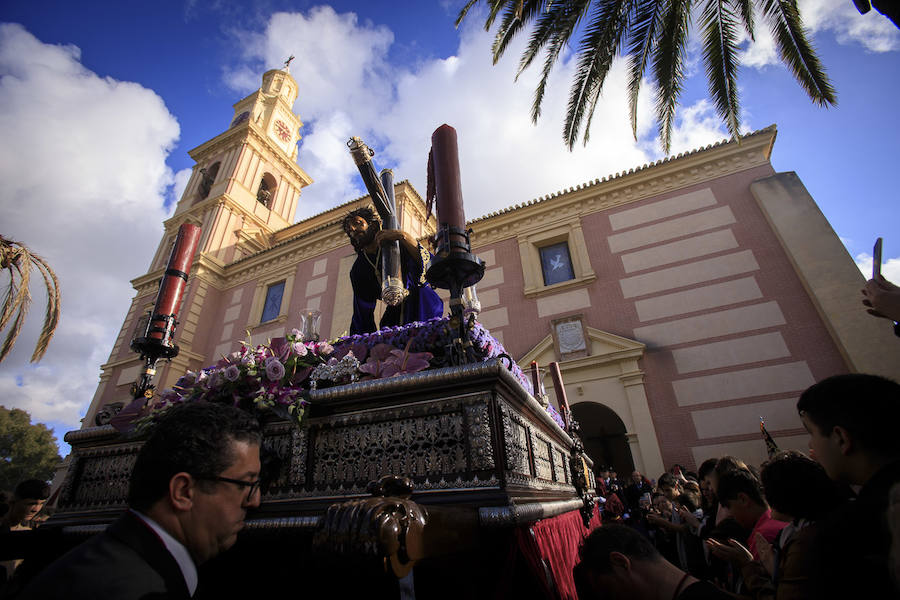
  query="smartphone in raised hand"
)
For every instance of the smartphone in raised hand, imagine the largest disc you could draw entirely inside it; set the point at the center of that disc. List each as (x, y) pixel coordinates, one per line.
(876, 260)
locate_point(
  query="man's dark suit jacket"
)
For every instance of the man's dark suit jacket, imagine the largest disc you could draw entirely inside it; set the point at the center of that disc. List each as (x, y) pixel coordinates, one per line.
(128, 561)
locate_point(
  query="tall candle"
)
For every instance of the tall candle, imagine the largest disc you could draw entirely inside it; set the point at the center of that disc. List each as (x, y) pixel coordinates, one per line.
(535, 380)
(171, 288)
(447, 184)
(560, 392)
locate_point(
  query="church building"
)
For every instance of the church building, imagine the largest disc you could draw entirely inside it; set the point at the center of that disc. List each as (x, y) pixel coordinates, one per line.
(684, 300)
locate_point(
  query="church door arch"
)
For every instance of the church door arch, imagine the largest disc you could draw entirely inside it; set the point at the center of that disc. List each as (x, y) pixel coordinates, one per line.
(604, 437)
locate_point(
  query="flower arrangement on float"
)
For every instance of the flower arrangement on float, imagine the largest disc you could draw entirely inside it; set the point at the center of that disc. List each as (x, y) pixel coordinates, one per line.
(267, 377)
(278, 376)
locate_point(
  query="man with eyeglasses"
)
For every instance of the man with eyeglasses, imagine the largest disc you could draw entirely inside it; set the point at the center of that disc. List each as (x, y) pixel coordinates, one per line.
(190, 489)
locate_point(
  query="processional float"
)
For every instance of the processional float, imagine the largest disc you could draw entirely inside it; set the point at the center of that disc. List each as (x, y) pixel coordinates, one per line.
(438, 483)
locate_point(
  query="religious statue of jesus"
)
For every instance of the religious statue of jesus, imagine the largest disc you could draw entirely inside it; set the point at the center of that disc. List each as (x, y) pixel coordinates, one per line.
(363, 228)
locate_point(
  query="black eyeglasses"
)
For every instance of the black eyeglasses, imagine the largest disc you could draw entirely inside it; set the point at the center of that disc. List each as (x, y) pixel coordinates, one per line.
(253, 485)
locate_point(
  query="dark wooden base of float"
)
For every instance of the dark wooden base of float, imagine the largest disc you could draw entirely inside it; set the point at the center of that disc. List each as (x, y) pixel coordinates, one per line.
(484, 458)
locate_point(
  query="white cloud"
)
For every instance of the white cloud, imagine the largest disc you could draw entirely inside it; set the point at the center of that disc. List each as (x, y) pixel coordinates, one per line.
(504, 159)
(344, 82)
(698, 125)
(872, 30)
(890, 268)
(83, 166)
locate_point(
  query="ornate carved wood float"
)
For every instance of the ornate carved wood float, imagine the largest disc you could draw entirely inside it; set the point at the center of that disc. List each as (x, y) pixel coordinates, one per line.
(480, 452)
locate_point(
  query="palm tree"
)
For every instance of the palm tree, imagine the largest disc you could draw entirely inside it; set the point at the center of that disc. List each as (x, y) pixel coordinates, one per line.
(19, 260)
(654, 35)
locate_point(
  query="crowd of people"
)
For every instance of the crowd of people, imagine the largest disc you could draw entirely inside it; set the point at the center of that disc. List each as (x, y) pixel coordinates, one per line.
(822, 525)
(797, 526)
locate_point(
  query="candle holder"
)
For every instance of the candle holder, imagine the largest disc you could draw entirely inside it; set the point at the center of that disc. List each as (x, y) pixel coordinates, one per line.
(309, 324)
(471, 303)
(157, 336)
(537, 383)
(455, 270)
(454, 267)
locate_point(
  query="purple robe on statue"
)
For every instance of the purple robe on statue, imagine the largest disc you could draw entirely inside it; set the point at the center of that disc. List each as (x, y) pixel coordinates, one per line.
(422, 303)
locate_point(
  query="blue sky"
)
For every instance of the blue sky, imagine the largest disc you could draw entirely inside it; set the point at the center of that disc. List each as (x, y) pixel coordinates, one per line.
(102, 100)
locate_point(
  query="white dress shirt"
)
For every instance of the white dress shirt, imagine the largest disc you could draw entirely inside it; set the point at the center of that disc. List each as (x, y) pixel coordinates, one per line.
(177, 550)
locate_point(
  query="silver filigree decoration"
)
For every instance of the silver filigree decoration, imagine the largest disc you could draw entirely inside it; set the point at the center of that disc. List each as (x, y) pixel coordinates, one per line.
(481, 449)
(343, 370)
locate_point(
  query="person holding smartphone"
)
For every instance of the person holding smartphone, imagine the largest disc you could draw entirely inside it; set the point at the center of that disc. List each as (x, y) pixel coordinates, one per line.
(881, 297)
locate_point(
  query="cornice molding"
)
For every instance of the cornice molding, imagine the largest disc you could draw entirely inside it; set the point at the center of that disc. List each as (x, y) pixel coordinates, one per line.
(148, 282)
(663, 176)
(287, 254)
(250, 133)
(183, 355)
(207, 268)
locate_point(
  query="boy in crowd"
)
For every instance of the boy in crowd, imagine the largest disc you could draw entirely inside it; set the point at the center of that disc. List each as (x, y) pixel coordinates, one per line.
(852, 424)
(740, 493)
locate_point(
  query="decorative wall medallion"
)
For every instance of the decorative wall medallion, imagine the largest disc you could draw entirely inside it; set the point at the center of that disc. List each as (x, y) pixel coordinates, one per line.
(568, 334)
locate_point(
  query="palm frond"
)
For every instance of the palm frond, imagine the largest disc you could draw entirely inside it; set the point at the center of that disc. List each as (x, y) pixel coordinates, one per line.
(18, 297)
(51, 317)
(644, 31)
(20, 304)
(745, 10)
(516, 18)
(543, 31)
(558, 21)
(14, 330)
(797, 52)
(564, 24)
(668, 65)
(549, 61)
(496, 7)
(721, 61)
(18, 261)
(598, 48)
(465, 10)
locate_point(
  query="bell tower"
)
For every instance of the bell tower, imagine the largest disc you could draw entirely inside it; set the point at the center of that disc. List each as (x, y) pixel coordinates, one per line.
(246, 183)
(245, 186)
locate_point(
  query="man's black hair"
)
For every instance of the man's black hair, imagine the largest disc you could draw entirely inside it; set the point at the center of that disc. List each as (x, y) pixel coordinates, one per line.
(368, 215)
(798, 486)
(32, 489)
(867, 406)
(194, 438)
(594, 552)
(708, 466)
(667, 480)
(734, 482)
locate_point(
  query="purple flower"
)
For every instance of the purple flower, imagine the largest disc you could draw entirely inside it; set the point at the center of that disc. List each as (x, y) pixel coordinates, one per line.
(281, 348)
(232, 373)
(299, 349)
(274, 369)
(187, 380)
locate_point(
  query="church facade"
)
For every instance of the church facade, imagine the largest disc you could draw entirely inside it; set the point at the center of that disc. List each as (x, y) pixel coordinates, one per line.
(683, 300)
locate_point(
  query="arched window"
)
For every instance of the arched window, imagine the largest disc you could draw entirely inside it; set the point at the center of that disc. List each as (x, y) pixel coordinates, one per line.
(207, 179)
(266, 192)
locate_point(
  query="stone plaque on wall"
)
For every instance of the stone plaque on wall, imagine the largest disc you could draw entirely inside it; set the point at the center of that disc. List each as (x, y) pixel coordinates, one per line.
(569, 337)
